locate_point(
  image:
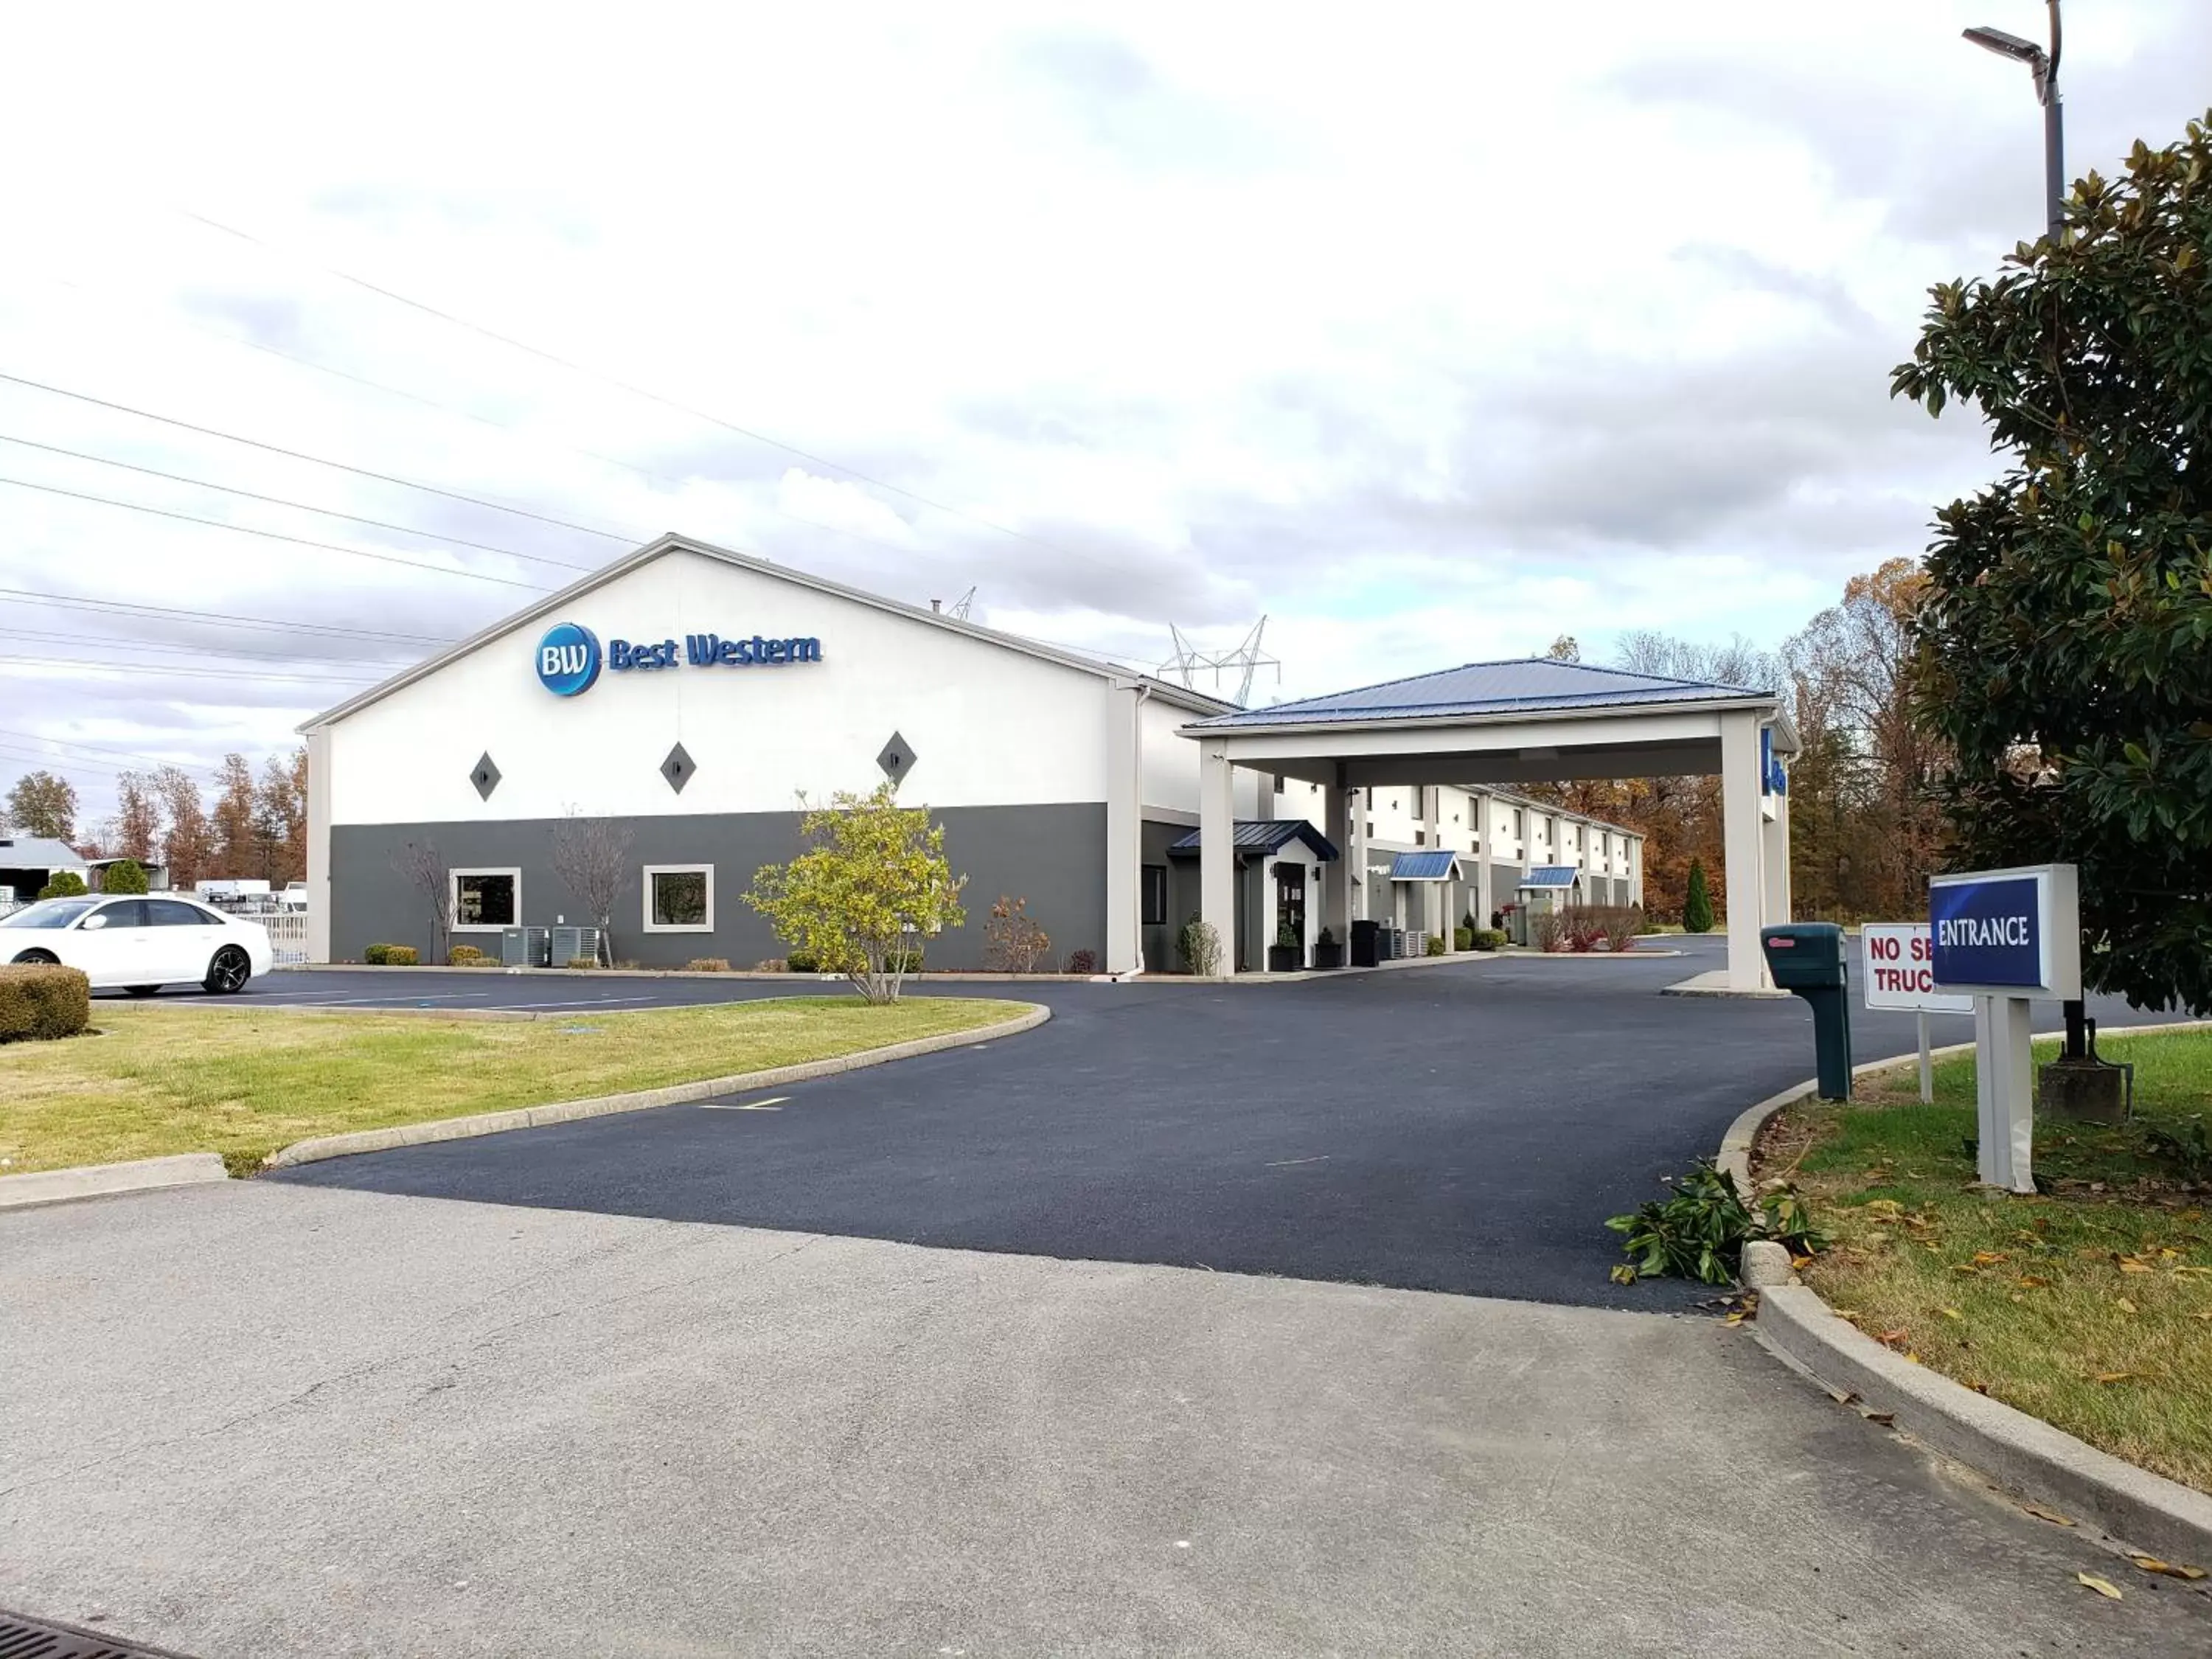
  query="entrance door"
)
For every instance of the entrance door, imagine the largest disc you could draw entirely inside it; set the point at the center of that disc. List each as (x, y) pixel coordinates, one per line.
(1291, 906)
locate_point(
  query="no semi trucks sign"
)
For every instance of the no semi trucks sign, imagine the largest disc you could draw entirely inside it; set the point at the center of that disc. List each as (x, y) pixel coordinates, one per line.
(1900, 971)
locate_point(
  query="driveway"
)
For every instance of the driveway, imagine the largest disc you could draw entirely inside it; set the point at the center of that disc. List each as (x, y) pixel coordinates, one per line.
(269, 1420)
(1465, 1127)
(703, 1380)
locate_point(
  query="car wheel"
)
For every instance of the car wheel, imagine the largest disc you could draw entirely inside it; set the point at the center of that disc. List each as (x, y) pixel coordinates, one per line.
(228, 972)
(142, 990)
(29, 957)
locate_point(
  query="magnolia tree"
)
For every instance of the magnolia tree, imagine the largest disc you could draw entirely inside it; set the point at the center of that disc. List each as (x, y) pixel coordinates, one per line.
(2065, 637)
(872, 884)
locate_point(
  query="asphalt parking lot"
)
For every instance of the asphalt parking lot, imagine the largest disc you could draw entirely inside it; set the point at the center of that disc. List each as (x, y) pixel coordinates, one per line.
(1465, 1127)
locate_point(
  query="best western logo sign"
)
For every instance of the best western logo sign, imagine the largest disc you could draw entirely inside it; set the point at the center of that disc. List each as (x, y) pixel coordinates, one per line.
(569, 659)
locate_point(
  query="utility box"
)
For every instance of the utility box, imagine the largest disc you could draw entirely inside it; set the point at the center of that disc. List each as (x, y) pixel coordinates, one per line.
(1807, 957)
(1365, 941)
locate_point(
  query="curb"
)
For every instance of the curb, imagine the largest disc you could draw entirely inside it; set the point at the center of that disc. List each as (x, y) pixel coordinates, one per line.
(2021, 1452)
(20, 1191)
(570, 1111)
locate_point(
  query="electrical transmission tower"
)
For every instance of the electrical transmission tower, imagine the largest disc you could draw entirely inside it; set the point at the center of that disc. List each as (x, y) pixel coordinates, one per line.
(1188, 662)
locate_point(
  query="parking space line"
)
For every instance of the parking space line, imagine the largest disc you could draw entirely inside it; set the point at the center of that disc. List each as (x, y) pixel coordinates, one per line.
(391, 1002)
(773, 1103)
(573, 1002)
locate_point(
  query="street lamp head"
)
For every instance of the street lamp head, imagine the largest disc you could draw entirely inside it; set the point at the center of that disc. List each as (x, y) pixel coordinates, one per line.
(2008, 46)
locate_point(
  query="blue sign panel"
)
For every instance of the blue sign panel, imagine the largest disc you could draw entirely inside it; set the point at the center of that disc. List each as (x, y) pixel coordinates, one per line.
(1987, 932)
(568, 660)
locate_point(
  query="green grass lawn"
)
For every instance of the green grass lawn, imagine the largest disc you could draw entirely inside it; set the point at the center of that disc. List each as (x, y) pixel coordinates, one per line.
(2089, 1306)
(244, 1082)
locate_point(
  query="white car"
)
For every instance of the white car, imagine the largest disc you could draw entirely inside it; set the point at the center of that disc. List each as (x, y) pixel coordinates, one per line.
(139, 943)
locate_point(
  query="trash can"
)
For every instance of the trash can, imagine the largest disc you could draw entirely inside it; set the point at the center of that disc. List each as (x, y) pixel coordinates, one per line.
(1807, 958)
(1365, 942)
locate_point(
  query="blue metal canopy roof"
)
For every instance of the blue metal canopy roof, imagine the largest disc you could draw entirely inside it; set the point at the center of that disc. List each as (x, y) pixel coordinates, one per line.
(1523, 685)
(1423, 867)
(1552, 875)
(1265, 836)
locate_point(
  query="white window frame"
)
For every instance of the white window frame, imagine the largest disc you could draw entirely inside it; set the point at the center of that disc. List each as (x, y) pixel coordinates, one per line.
(455, 925)
(653, 926)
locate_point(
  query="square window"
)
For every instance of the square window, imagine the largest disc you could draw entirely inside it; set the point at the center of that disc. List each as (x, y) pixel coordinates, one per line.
(1156, 896)
(679, 898)
(485, 899)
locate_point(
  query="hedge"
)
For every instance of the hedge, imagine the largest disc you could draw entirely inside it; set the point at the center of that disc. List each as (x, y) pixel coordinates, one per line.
(40, 1001)
(391, 955)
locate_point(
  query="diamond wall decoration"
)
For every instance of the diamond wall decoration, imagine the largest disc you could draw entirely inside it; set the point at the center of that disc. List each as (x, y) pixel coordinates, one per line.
(486, 777)
(678, 768)
(897, 756)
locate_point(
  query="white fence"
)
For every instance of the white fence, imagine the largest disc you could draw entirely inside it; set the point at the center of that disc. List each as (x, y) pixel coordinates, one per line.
(288, 934)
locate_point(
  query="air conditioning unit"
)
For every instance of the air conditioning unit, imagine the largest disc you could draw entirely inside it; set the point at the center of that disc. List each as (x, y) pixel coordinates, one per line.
(570, 944)
(526, 947)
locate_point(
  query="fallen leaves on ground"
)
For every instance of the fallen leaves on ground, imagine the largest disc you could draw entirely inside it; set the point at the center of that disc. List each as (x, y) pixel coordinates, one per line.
(2152, 1564)
(2051, 1515)
(2103, 1587)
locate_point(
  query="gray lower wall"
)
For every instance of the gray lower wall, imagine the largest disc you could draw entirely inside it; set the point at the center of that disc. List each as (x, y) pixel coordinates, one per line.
(1158, 943)
(1053, 855)
(1505, 880)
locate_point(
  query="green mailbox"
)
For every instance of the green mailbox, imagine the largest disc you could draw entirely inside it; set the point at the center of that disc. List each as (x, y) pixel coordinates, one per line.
(1807, 957)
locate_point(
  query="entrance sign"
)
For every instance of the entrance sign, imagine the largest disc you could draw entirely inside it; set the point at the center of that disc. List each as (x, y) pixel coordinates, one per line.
(2007, 932)
(1900, 971)
(2006, 937)
(1900, 974)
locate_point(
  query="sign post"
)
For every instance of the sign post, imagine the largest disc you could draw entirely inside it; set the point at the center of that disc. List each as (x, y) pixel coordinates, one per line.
(2006, 938)
(1900, 974)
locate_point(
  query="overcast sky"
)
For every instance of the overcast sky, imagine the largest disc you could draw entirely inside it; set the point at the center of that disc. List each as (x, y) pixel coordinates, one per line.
(1429, 331)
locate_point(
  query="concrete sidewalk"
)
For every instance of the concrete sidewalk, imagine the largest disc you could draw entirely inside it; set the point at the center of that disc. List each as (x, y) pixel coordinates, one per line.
(268, 1420)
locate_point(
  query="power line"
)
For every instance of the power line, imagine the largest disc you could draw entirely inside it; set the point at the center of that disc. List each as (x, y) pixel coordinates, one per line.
(272, 535)
(113, 667)
(216, 618)
(806, 455)
(319, 460)
(43, 636)
(280, 500)
(97, 748)
(662, 479)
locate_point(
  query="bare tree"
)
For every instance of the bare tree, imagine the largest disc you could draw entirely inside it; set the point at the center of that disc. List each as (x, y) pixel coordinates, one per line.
(591, 856)
(423, 867)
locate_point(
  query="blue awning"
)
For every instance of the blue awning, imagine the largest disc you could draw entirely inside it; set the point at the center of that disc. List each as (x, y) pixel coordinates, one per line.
(1425, 866)
(1264, 835)
(1552, 875)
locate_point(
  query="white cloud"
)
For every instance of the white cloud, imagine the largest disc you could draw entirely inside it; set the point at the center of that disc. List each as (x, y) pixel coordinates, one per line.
(1429, 331)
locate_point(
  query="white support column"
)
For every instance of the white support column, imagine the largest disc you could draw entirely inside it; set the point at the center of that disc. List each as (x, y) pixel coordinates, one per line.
(1740, 848)
(1217, 848)
(1124, 827)
(1439, 904)
(319, 846)
(1480, 806)
(1774, 852)
(1358, 803)
(1336, 878)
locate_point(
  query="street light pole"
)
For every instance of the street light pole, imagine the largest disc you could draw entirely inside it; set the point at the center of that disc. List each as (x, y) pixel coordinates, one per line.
(2044, 66)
